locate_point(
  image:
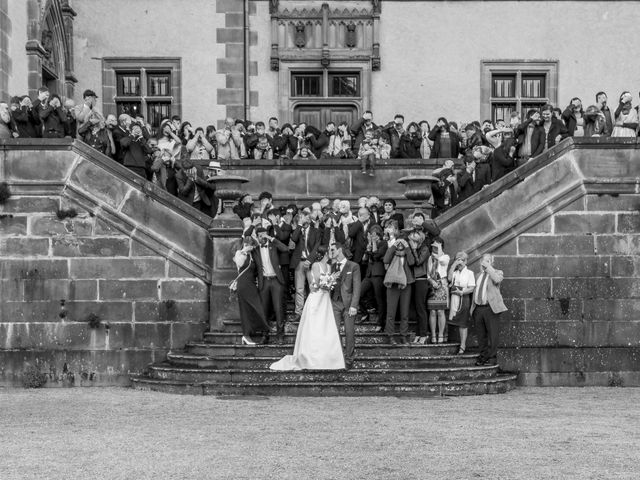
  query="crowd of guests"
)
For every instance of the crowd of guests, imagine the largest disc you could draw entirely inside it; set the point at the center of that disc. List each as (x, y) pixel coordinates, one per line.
(404, 269)
(166, 157)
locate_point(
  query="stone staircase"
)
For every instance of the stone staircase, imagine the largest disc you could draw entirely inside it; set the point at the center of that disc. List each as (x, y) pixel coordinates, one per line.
(220, 365)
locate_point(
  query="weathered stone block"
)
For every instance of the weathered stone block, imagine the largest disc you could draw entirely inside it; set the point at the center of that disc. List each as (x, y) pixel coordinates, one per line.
(184, 290)
(576, 206)
(234, 20)
(29, 268)
(618, 244)
(584, 223)
(172, 311)
(111, 311)
(556, 245)
(183, 232)
(49, 226)
(140, 250)
(74, 246)
(11, 291)
(509, 248)
(25, 204)
(544, 226)
(553, 309)
(134, 268)
(99, 183)
(516, 312)
(36, 289)
(526, 287)
(225, 6)
(150, 335)
(229, 95)
(612, 309)
(46, 311)
(25, 165)
(11, 225)
(625, 266)
(555, 266)
(113, 227)
(182, 333)
(234, 80)
(229, 65)
(612, 203)
(531, 334)
(628, 223)
(596, 288)
(128, 290)
(24, 246)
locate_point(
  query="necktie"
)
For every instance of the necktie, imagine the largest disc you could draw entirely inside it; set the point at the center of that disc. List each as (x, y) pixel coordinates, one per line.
(481, 300)
(305, 251)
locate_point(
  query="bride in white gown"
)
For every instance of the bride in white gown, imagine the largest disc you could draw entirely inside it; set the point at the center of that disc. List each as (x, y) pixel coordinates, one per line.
(318, 345)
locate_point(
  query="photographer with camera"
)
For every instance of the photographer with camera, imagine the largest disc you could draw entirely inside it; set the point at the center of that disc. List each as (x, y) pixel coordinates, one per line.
(135, 151)
(53, 117)
(94, 133)
(198, 146)
(438, 297)
(27, 120)
(399, 279)
(260, 143)
(411, 142)
(168, 139)
(446, 143)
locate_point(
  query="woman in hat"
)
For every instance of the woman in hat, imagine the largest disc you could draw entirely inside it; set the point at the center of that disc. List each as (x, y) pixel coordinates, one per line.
(462, 283)
(626, 118)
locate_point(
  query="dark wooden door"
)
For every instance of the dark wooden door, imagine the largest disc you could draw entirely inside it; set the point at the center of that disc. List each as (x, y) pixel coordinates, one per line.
(320, 115)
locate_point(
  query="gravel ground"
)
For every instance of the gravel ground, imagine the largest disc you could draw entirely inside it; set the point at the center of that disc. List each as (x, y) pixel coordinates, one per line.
(112, 433)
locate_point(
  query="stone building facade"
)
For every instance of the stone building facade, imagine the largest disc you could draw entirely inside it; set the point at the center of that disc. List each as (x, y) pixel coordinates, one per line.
(314, 60)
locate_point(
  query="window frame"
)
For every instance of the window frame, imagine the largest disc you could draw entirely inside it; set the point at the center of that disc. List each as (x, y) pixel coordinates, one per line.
(112, 67)
(308, 74)
(520, 69)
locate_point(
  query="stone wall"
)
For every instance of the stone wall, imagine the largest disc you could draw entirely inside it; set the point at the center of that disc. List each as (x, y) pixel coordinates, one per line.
(566, 232)
(93, 297)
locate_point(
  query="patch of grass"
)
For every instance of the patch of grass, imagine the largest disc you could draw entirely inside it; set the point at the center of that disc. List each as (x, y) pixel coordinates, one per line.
(531, 433)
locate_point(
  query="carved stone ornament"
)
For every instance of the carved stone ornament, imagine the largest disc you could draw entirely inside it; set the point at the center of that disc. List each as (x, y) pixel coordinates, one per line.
(300, 38)
(273, 7)
(47, 41)
(351, 38)
(275, 64)
(377, 7)
(324, 60)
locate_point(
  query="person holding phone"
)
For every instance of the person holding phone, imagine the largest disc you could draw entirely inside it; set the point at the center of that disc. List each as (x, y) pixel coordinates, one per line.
(438, 297)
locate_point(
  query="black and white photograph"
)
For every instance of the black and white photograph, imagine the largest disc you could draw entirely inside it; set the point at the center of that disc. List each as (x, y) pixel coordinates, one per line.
(319, 239)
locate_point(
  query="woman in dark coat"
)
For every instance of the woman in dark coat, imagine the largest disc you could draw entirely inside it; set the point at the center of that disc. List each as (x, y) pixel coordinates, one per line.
(252, 315)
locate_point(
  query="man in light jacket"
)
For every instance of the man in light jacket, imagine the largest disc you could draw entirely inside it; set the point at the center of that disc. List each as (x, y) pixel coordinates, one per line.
(486, 308)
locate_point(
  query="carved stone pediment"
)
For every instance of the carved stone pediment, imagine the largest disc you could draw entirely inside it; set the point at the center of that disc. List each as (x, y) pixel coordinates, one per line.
(326, 33)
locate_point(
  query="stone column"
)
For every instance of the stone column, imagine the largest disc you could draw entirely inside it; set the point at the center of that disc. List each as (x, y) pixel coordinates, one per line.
(225, 232)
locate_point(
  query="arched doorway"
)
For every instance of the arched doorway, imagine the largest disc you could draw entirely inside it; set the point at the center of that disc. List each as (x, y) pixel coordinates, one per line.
(50, 46)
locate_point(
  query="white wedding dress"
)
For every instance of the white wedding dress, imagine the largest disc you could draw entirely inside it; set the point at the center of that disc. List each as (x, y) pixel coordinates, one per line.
(318, 345)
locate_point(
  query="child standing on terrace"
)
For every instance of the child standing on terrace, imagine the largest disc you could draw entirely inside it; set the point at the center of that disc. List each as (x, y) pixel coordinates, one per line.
(367, 154)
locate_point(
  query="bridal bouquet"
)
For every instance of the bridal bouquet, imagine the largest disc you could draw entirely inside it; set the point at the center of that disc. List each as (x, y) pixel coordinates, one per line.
(327, 281)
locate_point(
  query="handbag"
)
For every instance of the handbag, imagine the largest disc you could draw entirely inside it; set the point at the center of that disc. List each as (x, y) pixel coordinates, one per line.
(395, 275)
(233, 286)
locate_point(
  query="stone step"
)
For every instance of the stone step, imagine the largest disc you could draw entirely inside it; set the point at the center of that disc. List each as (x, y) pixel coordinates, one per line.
(235, 338)
(277, 351)
(376, 375)
(501, 383)
(292, 327)
(389, 362)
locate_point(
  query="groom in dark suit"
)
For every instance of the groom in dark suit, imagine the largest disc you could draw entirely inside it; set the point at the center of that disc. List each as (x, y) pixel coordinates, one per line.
(345, 297)
(270, 279)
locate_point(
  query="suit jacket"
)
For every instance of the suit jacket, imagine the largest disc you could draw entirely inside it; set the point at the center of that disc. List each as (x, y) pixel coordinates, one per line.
(348, 286)
(283, 234)
(376, 260)
(118, 134)
(469, 186)
(187, 187)
(358, 233)
(313, 242)
(494, 297)
(136, 152)
(275, 248)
